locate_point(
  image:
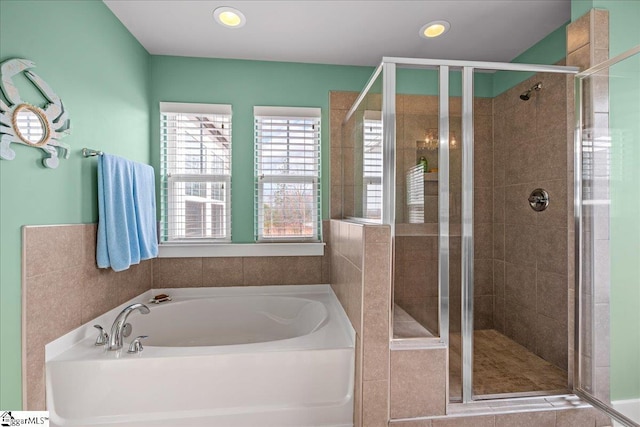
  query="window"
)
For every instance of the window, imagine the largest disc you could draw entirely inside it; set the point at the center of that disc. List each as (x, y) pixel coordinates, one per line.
(415, 194)
(195, 163)
(372, 165)
(287, 174)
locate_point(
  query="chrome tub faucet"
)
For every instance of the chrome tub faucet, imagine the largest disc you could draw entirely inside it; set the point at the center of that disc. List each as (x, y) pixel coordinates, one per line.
(119, 325)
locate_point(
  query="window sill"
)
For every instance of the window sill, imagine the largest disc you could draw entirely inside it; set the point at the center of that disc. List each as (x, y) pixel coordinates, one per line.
(168, 250)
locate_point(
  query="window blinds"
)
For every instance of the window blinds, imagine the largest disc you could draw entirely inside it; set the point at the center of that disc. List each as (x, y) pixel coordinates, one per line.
(372, 165)
(287, 174)
(195, 172)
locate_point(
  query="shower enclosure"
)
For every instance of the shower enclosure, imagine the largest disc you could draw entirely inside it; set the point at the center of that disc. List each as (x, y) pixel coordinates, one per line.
(470, 163)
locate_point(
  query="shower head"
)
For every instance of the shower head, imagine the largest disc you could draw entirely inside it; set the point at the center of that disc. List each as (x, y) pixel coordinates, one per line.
(525, 96)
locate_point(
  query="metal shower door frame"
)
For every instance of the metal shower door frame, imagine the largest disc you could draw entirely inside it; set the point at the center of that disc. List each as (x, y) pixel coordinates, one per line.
(390, 65)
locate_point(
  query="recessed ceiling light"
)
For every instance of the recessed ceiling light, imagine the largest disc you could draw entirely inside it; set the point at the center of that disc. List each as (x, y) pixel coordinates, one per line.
(434, 29)
(229, 17)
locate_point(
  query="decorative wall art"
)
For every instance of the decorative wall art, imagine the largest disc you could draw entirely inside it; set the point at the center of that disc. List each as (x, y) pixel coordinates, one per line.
(28, 124)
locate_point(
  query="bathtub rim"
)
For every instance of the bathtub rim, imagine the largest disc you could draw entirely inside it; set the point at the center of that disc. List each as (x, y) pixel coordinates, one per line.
(78, 344)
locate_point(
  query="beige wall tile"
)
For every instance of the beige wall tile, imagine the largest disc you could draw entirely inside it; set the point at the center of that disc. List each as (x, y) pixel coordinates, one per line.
(177, 272)
(527, 419)
(282, 270)
(519, 322)
(576, 418)
(336, 201)
(134, 281)
(551, 341)
(51, 304)
(341, 100)
(551, 295)
(600, 37)
(578, 33)
(99, 292)
(34, 378)
(90, 233)
(52, 248)
(418, 383)
(375, 359)
(483, 205)
(377, 234)
(375, 403)
(353, 247)
(551, 252)
(222, 271)
(520, 244)
(483, 240)
(63, 297)
(478, 421)
(580, 58)
(49, 310)
(416, 423)
(420, 104)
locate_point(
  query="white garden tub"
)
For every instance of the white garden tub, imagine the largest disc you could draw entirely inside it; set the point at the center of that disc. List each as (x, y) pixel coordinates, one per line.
(244, 356)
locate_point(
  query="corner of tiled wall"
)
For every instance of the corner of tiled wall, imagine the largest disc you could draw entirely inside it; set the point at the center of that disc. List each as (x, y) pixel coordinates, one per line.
(62, 288)
(361, 279)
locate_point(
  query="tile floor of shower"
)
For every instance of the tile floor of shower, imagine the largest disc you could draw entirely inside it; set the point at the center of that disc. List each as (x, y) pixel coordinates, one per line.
(500, 365)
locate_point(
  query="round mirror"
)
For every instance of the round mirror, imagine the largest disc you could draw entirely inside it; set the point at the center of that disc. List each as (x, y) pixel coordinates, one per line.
(30, 125)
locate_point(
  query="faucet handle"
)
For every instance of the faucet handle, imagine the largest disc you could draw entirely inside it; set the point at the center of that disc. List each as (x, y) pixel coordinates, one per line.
(136, 344)
(103, 337)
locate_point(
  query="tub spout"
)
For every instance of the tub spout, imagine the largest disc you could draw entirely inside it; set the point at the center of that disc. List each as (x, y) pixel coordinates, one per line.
(116, 338)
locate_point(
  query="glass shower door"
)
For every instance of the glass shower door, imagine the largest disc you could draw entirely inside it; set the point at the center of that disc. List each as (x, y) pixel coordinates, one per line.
(608, 236)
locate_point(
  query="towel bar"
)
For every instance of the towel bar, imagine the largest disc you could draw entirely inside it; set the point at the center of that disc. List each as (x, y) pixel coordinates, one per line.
(89, 152)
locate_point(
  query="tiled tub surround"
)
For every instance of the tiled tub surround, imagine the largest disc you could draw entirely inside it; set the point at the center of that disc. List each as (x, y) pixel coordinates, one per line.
(63, 288)
(361, 278)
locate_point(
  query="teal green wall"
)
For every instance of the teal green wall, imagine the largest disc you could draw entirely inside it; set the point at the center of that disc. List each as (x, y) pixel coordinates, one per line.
(579, 8)
(245, 84)
(549, 51)
(101, 72)
(425, 82)
(624, 104)
(624, 19)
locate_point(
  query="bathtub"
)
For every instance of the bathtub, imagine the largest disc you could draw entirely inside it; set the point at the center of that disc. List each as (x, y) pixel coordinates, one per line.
(243, 356)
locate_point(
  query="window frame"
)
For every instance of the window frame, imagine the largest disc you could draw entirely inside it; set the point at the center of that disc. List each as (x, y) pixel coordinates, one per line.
(169, 180)
(289, 114)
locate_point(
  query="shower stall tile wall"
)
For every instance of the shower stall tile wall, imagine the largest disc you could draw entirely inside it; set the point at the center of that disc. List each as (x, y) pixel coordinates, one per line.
(61, 289)
(529, 258)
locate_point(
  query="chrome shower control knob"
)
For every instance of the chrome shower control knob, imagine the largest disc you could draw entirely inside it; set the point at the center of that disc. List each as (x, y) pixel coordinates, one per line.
(136, 344)
(539, 200)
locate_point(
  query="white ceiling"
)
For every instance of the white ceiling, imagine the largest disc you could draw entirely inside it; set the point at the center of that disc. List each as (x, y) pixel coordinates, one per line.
(344, 32)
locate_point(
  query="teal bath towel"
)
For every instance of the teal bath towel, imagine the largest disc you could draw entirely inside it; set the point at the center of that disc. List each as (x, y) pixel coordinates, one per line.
(127, 212)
